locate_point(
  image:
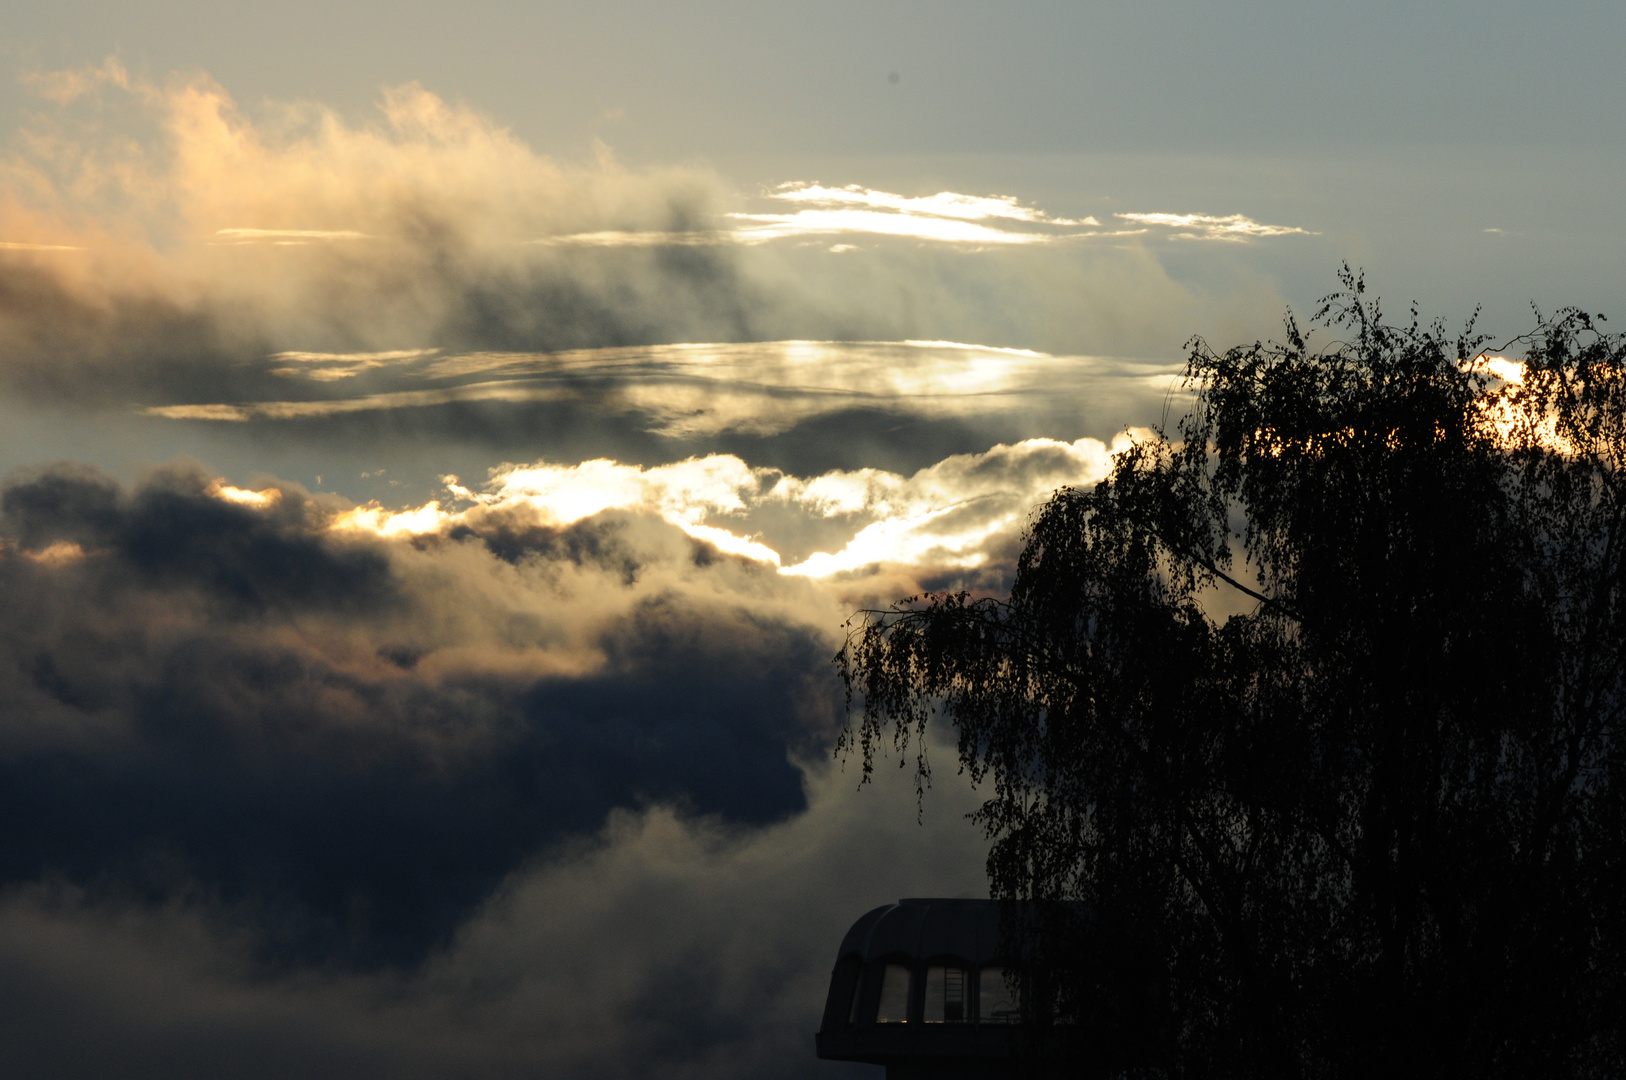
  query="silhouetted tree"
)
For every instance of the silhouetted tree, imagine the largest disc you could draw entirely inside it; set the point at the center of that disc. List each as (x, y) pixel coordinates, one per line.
(1373, 821)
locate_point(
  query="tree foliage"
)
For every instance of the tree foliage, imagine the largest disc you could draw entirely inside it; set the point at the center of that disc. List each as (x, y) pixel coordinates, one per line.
(1373, 819)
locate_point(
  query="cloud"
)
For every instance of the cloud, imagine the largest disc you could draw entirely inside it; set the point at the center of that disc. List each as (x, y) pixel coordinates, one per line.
(18, 245)
(349, 725)
(282, 776)
(945, 204)
(286, 236)
(664, 945)
(1232, 227)
(161, 247)
(351, 740)
(761, 393)
(202, 239)
(525, 774)
(963, 514)
(327, 367)
(947, 217)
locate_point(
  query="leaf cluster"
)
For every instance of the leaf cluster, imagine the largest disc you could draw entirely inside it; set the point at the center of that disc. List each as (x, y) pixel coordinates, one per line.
(1373, 819)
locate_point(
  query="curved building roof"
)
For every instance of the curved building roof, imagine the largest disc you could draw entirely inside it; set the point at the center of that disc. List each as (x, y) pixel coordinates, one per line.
(921, 928)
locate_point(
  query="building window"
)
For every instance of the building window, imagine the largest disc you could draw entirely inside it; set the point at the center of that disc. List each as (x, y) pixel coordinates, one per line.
(894, 1007)
(996, 999)
(946, 995)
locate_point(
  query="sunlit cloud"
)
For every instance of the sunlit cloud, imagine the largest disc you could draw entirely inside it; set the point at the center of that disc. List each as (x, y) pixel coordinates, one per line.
(244, 497)
(60, 553)
(615, 238)
(1234, 227)
(330, 367)
(962, 513)
(286, 236)
(946, 204)
(761, 227)
(684, 494)
(946, 217)
(427, 518)
(958, 514)
(176, 196)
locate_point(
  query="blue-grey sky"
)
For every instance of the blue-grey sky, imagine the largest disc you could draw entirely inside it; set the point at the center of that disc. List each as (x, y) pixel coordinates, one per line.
(440, 445)
(735, 79)
(1399, 133)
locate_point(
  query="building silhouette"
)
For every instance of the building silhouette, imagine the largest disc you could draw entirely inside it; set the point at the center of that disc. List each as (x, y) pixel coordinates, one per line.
(921, 987)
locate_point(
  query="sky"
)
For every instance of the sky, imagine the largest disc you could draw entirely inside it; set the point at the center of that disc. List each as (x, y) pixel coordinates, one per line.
(440, 447)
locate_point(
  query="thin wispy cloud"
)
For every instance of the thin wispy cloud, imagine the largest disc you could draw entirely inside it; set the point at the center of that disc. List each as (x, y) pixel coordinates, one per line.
(841, 221)
(330, 367)
(18, 245)
(286, 236)
(945, 204)
(692, 391)
(946, 217)
(614, 238)
(1234, 227)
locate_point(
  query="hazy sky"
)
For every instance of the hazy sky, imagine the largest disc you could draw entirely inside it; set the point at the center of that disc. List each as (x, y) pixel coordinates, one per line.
(441, 445)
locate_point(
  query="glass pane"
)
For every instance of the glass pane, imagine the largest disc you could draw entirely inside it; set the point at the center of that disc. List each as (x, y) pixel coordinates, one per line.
(996, 1001)
(894, 995)
(945, 995)
(858, 989)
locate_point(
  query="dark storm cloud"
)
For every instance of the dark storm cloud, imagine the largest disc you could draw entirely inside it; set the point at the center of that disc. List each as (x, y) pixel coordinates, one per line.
(665, 946)
(128, 347)
(586, 299)
(172, 533)
(283, 796)
(113, 349)
(211, 696)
